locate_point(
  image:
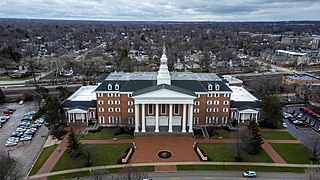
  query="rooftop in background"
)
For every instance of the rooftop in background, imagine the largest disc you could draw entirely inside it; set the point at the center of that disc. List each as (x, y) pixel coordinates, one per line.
(301, 77)
(240, 94)
(292, 53)
(232, 80)
(153, 76)
(84, 93)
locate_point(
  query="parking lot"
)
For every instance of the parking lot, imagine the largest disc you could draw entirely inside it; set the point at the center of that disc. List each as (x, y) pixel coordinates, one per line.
(307, 131)
(25, 152)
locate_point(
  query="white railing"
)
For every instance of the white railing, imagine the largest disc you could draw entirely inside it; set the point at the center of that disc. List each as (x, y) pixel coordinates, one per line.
(203, 158)
(125, 160)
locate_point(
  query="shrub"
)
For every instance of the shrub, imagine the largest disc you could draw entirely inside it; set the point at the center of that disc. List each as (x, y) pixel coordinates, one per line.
(96, 130)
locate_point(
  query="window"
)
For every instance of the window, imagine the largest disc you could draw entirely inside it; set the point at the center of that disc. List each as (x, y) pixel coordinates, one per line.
(117, 102)
(109, 87)
(100, 94)
(129, 95)
(117, 119)
(210, 87)
(196, 103)
(176, 109)
(110, 95)
(110, 109)
(130, 110)
(224, 120)
(215, 120)
(117, 95)
(196, 120)
(209, 95)
(130, 120)
(101, 109)
(130, 103)
(217, 87)
(225, 109)
(208, 120)
(117, 109)
(198, 95)
(91, 114)
(196, 110)
(233, 114)
(226, 95)
(111, 119)
(216, 102)
(215, 109)
(209, 102)
(101, 118)
(209, 109)
(163, 109)
(110, 102)
(100, 102)
(216, 95)
(225, 102)
(116, 87)
(150, 109)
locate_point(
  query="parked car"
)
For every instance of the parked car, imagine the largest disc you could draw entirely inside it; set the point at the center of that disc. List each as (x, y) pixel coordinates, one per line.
(31, 113)
(10, 143)
(21, 102)
(25, 138)
(16, 134)
(7, 112)
(11, 109)
(299, 116)
(284, 125)
(249, 174)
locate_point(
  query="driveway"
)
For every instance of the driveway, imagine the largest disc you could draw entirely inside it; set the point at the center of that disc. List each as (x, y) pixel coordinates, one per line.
(25, 153)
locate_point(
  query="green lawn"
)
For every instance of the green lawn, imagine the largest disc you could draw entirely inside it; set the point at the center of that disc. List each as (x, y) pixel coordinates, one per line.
(101, 154)
(293, 153)
(222, 133)
(281, 135)
(105, 133)
(223, 152)
(44, 155)
(238, 168)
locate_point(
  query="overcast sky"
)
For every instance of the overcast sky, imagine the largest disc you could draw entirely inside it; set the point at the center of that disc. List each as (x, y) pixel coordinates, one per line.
(164, 10)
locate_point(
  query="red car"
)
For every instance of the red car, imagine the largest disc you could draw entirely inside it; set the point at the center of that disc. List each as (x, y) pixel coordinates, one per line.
(8, 112)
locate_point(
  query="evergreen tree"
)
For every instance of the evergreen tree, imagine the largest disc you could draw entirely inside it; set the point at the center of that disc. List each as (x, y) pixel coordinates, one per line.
(2, 97)
(271, 107)
(256, 138)
(74, 145)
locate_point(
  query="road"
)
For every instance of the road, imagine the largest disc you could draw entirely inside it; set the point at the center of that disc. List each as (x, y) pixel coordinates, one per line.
(13, 82)
(215, 175)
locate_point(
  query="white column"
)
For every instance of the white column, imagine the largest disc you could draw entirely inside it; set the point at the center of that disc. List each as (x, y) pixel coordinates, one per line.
(157, 118)
(170, 118)
(136, 118)
(69, 119)
(143, 118)
(256, 117)
(242, 118)
(82, 117)
(190, 117)
(184, 113)
(239, 118)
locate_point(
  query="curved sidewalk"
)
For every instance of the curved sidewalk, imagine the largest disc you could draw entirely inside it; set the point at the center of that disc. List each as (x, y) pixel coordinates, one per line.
(171, 164)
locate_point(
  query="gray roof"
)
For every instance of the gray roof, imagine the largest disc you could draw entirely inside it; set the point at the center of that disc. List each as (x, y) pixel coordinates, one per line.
(164, 86)
(80, 104)
(243, 105)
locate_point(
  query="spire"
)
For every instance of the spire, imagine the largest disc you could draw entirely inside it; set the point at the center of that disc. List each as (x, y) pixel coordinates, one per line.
(163, 73)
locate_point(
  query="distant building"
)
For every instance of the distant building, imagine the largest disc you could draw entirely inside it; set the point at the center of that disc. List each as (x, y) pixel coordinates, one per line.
(315, 43)
(289, 40)
(309, 92)
(299, 79)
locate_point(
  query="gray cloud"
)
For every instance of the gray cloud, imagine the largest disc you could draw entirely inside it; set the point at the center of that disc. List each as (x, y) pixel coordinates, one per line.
(223, 10)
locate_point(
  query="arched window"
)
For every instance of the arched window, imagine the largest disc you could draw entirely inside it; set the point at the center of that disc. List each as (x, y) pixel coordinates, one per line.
(217, 87)
(210, 87)
(116, 87)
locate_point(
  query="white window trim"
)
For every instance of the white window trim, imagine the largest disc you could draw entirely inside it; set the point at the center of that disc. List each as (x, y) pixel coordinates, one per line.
(216, 102)
(100, 94)
(101, 109)
(110, 94)
(217, 87)
(225, 110)
(100, 102)
(118, 109)
(196, 103)
(196, 110)
(110, 109)
(209, 109)
(130, 110)
(117, 102)
(116, 87)
(101, 118)
(109, 87)
(210, 87)
(130, 103)
(215, 109)
(209, 102)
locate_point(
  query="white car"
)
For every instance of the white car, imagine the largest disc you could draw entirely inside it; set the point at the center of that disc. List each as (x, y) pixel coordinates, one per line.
(284, 125)
(249, 174)
(21, 102)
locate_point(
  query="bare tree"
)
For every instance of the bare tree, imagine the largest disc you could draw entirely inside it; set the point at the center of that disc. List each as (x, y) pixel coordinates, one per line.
(87, 156)
(313, 174)
(100, 174)
(315, 150)
(132, 173)
(241, 144)
(33, 65)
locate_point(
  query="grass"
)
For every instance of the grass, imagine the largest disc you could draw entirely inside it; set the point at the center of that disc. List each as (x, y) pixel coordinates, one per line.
(239, 168)
(293, 153)
(222, 133)
(222, 152)
(105, 133)
(87, 173)
(44, 155)
(279, 135)
(101, 154)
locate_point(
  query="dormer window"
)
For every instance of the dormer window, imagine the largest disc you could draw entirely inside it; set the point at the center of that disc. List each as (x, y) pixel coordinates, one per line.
(210, 87)
(109, 87)
(116, 87)
(217, 87)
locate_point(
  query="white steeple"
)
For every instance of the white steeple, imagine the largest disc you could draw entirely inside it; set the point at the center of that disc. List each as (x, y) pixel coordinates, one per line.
(163, 73)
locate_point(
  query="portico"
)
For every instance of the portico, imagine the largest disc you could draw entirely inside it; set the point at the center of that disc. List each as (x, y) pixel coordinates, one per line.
(157, 106)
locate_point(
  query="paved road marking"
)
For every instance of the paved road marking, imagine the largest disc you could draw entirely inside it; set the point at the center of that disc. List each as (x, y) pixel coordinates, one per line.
(208, 178)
